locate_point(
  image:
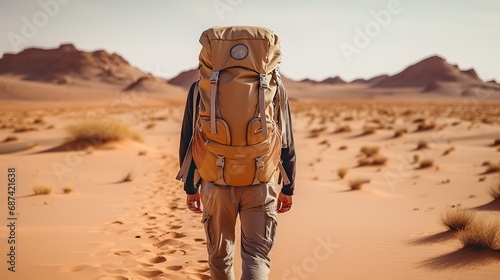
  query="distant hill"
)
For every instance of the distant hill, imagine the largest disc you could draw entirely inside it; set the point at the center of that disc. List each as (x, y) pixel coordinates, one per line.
(66, 73)
(185, 79)
(333, 80)
(428, 71)
(65, 63)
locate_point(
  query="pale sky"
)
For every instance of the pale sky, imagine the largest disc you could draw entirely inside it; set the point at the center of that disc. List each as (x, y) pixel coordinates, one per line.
(162, 36)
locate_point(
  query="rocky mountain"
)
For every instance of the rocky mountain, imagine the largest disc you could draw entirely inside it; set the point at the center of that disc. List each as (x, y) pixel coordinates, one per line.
(66, 63)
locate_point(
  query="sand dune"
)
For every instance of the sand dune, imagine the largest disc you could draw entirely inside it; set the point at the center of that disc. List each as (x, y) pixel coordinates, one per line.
(126, 218)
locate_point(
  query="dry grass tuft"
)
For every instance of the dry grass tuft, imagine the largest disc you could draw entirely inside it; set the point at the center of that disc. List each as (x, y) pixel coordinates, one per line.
(416, 158)
(68, 189)
(426, 163)
(400, 132)
(365, 161)
(326, 143)
(21, 129)
(449, 150)
(481, 235)
(491, 167)
(42, 189)
(343, 128)
(426, 126)
(10, 139)
(496, 142)
(457, 219)
(368, 131)
(422, 144)
(127, 178)
(314, 133)
(369, 150)
(343, 147)
(101, 131)
(357, 184)
(379, 160)
(342, 171)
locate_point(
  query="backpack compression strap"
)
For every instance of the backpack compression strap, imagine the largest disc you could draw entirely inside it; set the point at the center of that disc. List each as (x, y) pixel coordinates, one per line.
(262, 110)
(214, 80)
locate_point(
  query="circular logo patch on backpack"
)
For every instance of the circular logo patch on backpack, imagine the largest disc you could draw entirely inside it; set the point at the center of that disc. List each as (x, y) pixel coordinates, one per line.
(239, 52)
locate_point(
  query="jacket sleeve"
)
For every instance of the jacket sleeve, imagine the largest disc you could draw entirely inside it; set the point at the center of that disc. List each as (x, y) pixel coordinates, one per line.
(185, 139)
(288, 155)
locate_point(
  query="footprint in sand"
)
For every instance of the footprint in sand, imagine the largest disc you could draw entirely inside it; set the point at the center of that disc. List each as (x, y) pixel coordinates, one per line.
(158, 259)
(195, 270)
(175, 227)
(170, 242)
(149, 272)
(174, 252)
(174, 267)
(122, 253)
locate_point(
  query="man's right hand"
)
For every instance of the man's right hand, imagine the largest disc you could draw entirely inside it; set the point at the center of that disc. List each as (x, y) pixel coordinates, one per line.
(193, 203)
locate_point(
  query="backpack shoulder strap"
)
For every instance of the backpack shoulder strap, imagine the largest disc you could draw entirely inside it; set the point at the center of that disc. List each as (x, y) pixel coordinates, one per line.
(188, 158)
(283, 109)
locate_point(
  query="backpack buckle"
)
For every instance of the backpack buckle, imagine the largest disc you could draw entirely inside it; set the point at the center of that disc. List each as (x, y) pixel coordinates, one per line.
(220, 161)
(214, 78)
(263, 82)
(260, 162)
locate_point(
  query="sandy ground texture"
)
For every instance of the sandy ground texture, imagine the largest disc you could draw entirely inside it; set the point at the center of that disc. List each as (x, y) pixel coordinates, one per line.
(124, 215)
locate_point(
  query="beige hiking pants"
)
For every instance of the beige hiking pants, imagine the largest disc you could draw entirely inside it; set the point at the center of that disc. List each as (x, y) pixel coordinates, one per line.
(256, 206)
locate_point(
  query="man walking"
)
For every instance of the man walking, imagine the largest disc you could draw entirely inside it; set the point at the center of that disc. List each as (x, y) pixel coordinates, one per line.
(236, 137)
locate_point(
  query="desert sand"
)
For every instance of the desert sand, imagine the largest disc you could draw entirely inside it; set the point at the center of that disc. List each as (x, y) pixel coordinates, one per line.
(115, 210)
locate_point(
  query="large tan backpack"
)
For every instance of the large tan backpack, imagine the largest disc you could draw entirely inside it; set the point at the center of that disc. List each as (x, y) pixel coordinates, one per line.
(239, 125)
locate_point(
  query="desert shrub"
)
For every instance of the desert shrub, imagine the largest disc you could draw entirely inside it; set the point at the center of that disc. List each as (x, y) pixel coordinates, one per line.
(496, 142)
(42, 189)
(101, 131)
(21, 129)
(316, 131)
(68, 189)
(38, 121)
(325, 142)
(379, 160)
(343, 147)
(368, 131)
(127, 178)
(400, 132)
(426, 163)
(422, 144)
(426, 126)
(364, 161)
(343, 128)
(449, 150)
(481, 235)
(416, 158)
(342, 171)
(369, 150)
(457, 219)
(10, 139)
(492, 167)
(357, 184)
